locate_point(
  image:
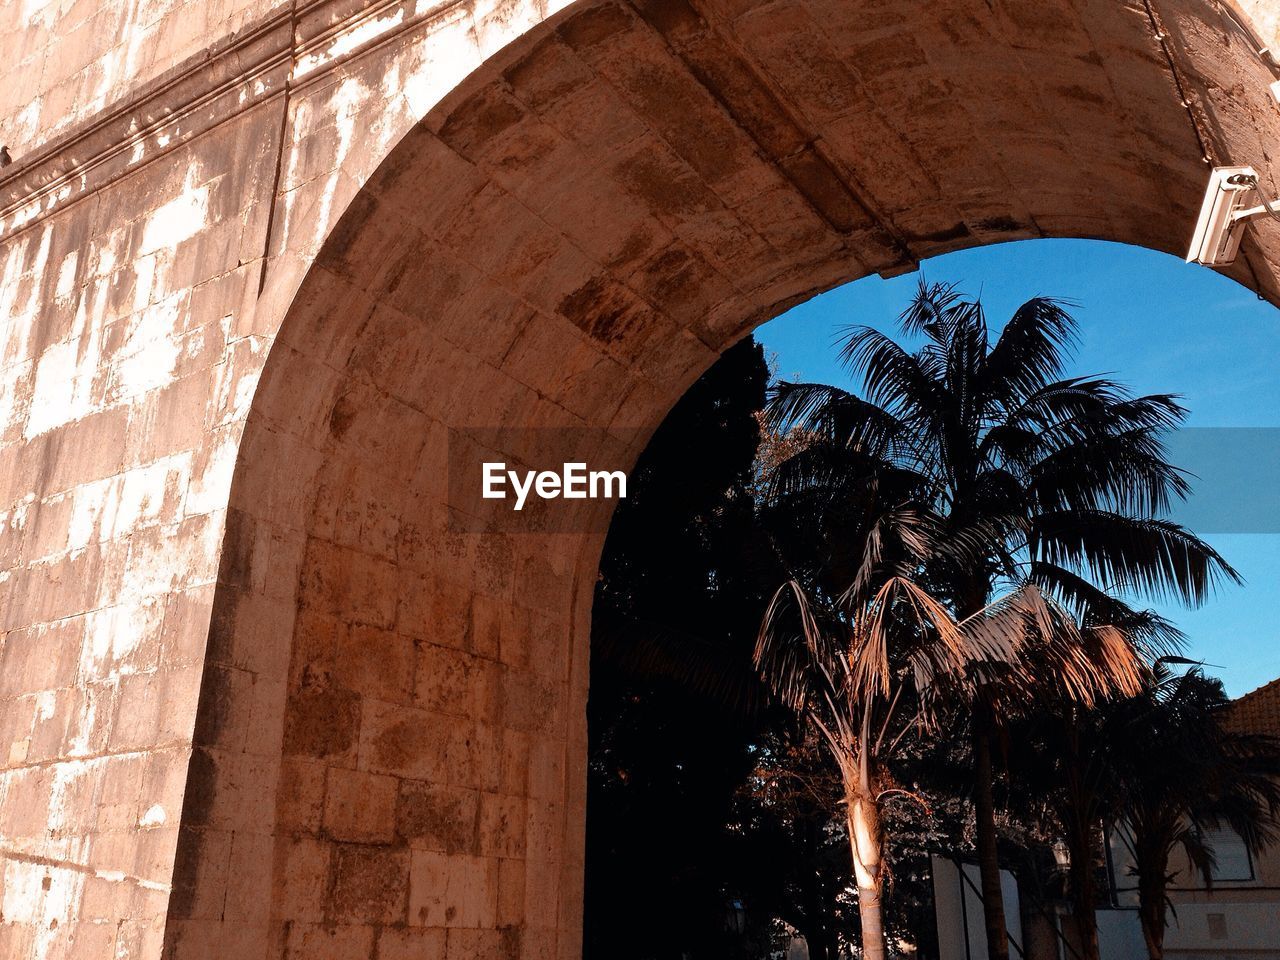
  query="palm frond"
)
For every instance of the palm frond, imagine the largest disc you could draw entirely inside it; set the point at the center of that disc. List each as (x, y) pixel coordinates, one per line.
(928, 307)
(1125, 472)
(796, 656)
(795, 404)
(835, 417)
(1153, 557)
(1032, 349)
(893, 379)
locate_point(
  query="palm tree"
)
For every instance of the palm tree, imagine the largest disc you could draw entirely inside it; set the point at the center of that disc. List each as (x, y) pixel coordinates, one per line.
(844, 663)
(864, 654)
(1033, 476)
(1179, 769)
(1066, 770)
(841, 641)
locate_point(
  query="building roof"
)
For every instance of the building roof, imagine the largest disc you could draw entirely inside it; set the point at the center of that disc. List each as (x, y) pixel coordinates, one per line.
(1258, 711)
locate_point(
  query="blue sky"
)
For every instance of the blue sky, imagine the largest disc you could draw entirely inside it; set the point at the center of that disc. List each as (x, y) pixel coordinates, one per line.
(1158, 325)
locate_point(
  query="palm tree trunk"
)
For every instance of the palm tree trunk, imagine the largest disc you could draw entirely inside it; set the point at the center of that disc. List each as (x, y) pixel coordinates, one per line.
(1153, 931)
(1151, 905)
(1083, 894)
(865, 844)
(984, 810)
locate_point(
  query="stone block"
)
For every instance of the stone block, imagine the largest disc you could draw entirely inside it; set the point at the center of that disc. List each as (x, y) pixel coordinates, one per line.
(302, 799)
(154, 708)
(342, 580)
(475, 944)
(370, 884)
(452, 891)
(439, 818)
(455, 682)
(200, 888)
(546, 763)
(302, 871)
(310, 941)
(411, 944)
(322, 720)
(405, 742)
(511, 893)
(541, 890)
(544, 829)
(377, 663)
(359, 806)
(502, 825)
(249, 893)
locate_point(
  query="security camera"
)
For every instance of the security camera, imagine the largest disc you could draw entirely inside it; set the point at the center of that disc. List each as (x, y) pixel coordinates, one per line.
(1225, 212)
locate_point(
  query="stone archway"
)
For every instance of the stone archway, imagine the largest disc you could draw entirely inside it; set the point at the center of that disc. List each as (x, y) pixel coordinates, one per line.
(566, 243)
(388, 749)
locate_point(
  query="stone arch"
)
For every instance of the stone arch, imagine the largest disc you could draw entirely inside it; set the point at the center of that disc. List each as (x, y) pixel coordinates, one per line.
(390, 744)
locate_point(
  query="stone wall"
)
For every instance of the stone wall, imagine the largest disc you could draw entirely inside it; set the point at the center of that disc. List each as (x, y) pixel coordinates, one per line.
(63, 63)
(269, 686)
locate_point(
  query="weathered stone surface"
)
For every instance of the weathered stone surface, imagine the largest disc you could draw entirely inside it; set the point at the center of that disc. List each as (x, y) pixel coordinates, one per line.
(268, 687)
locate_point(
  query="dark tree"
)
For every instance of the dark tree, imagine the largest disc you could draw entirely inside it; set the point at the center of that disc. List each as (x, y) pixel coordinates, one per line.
(1164, 765)
(674, 704)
